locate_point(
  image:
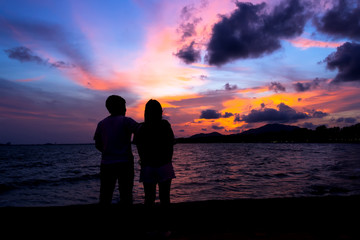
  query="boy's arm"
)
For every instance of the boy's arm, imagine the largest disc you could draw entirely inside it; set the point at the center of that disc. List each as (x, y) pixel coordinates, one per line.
(133, 125)
(98, 141)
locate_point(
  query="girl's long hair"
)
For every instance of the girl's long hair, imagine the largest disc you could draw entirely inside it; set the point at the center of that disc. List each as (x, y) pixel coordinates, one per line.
(153, 112)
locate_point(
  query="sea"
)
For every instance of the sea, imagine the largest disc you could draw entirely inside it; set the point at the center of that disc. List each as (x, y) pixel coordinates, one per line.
(59, 175)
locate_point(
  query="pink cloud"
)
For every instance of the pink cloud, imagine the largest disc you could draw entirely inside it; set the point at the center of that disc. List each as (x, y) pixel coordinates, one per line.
(306, 43)
(30, 79)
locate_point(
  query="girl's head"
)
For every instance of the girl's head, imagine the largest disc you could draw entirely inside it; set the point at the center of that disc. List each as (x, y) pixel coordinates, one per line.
(153, 111)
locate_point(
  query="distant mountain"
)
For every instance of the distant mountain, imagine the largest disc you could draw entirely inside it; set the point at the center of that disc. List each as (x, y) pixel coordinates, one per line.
(204, 135)
(282, 133)
(263, 133)
(270, 128)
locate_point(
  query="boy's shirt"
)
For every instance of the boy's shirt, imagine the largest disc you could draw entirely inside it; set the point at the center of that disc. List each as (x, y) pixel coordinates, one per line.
(113, 137)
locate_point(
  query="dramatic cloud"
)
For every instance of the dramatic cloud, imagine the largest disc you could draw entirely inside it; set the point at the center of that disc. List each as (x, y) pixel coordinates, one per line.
(343, 20)
(189, 54)
(251, 32)
(229, 87)
(319, 114)
(24, 54)
(277, 87)
(284, 114)
(189, 22)
(346, 120)
(217, 127)
(213, 114)
(347, 60)
(227, 115)
(307, 86)
(49, 35)
(210, 114)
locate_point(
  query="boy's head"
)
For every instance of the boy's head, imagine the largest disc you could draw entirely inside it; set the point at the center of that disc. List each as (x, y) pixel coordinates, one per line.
(116, 105)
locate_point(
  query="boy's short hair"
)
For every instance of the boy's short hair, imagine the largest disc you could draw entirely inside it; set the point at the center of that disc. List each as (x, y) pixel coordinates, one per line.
(116, 105)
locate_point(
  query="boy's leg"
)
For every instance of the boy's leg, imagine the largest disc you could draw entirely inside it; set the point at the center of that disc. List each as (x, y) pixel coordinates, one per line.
(126, 182)
(107, 184)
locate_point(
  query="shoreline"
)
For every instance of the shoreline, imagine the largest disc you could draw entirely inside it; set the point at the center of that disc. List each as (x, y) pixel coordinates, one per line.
(309, 217)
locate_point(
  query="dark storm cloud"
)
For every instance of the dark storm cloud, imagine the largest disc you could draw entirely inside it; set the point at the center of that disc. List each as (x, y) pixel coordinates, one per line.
(251, 32)
(213, 114)
(302, 87)
(189, 54)
(307, 86)
(229, 87)
(217, 127)
(24, 54)
(227, 115)
(284, 114)
(319, 114)
(277, 87)
(346, 60)
(210, 114)
(50, 36)
(343, 20)
(346, 120)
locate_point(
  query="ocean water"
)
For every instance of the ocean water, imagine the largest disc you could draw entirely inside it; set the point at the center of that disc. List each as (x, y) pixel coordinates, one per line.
(57, 175)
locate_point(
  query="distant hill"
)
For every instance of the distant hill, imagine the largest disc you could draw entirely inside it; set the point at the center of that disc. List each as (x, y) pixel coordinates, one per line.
(270, 128)
(204, 135)
(281, 133)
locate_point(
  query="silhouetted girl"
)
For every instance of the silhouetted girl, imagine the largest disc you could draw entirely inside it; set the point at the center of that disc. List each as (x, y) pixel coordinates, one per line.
(155, 140)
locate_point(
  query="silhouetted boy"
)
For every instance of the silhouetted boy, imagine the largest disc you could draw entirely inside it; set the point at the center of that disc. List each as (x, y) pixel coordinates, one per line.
(113, 140)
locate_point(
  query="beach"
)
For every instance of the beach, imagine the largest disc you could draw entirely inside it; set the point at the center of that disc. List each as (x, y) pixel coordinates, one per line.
(277, 218)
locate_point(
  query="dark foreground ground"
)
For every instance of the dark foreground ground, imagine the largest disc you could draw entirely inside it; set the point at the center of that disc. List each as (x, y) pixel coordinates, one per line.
(288, 218)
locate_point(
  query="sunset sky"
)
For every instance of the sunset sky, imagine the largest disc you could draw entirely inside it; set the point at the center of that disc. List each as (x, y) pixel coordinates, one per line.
(214, 65)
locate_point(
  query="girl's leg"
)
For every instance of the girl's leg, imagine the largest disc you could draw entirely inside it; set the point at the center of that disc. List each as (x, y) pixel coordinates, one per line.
(165, 210)
(164, 193)
(150, 194)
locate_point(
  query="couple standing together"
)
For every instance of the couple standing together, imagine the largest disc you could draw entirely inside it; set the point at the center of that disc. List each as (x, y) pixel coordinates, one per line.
(154, 139)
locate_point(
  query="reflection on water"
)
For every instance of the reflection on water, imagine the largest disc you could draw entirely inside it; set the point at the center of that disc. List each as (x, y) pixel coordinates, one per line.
(218, 171)
(69, 174)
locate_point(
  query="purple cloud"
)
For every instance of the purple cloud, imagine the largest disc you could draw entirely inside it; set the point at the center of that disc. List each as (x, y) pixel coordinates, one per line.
(284, 114)
(189, 54)
(343, 20)
(277, 87)
(24, 54)
(251, 32)
(210, 114)
(346, 60)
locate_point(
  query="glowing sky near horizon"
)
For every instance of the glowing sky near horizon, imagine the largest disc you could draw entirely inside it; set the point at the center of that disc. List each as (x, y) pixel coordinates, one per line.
(214, 65)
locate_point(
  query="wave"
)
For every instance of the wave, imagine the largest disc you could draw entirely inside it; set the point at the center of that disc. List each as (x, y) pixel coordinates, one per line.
(47, 182)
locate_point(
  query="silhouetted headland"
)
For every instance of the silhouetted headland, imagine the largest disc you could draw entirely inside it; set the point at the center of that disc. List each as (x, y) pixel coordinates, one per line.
(280, 133)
